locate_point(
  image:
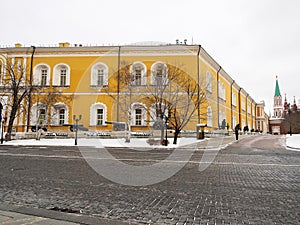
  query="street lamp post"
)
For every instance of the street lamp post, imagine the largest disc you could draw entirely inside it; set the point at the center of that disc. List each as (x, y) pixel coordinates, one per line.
(166, 141)
(76, 126)
(2, 128)
(2, 122)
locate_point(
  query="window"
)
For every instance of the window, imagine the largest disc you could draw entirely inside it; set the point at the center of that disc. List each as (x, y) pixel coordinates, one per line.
(98, 113)
(61, 76)
(209, 116)
(99, 117)
(44, 75)
(138, 74)
(99, 75)
(42, 116)
(208, 81)
(243, 105)
(139, 114)
(233, 122)
(234, 99)
(61, 116)
(158, 111)
(222, 120)
(138, 117)
(159, 74)
(38, 115)
(222, 93)
(41, 75)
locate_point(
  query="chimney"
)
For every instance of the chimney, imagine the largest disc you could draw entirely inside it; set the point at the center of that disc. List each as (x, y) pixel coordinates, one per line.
(64, 44)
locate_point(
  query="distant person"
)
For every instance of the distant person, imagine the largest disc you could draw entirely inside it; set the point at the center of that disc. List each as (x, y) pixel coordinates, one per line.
(236, 130)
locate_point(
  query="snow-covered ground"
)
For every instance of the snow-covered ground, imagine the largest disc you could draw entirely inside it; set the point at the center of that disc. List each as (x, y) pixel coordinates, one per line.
(293, 141)
(106, 142)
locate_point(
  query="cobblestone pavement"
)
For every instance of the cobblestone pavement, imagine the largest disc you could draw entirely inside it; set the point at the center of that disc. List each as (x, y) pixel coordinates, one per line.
(253, 181)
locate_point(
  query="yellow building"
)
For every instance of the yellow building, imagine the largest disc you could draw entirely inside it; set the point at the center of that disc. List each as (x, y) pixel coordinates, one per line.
(90, 81)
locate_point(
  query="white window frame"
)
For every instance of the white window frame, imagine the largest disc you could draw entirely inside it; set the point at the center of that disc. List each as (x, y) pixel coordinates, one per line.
(56, 81)
(138, 105)
(233, 99)
(209, 116)
(95, 73)
(143, 78)
(208, 81)
(37, 74)
(154, 73)
(35, 112)
(243, 105)
(93, 114)
(55, 114)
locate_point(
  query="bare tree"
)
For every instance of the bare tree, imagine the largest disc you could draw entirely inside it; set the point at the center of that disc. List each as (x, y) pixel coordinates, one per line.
(15, 87)
(124, 97)
(45, 99)
(291, 122)
(177, 97)
(171, 99)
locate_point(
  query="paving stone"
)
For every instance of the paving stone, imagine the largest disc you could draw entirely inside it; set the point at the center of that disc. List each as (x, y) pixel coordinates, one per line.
(246, 184)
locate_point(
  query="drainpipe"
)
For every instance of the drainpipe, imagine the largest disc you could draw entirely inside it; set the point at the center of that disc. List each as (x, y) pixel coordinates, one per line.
(218, 102)
(240, 112)
(252, 113)
(247, 109)
(30, 89)
(118, 87)
(255, 114)
(198, 74)
(231, 109)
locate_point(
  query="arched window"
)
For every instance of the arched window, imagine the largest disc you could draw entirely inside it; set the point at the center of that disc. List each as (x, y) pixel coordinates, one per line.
(98, 114)
(38, 115)
(59, 114)
(138, 72)
(159, 74)
(41, 75)
(233, 99)
(61, 75)
(223, 91)
(158, 111)
(209, 117)
(208, 81)
(99, 75)
(138, 114)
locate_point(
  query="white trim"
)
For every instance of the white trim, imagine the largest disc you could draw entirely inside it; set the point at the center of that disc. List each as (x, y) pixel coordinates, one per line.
(209, 116)
(143, 107)
(56, 74)
(143, 72)
(93, 115)
(153, 69)
(93, 76)
(55, 113)
(37, 74)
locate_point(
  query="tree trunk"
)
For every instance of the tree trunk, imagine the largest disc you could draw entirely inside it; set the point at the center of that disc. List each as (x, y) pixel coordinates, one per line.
(11, 122)
(176, 134)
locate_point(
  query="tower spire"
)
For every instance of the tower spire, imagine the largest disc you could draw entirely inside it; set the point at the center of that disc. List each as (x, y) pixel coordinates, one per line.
(277, 90)
(278, 107)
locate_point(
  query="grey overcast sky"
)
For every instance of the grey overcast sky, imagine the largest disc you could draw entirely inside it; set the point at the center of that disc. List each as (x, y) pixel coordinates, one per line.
(253, 40)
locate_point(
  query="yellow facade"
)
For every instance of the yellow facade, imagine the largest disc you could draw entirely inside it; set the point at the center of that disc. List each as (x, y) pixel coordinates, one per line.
(69, 72)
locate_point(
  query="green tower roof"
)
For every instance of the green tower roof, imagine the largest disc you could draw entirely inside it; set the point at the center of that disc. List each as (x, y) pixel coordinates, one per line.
(277, 90)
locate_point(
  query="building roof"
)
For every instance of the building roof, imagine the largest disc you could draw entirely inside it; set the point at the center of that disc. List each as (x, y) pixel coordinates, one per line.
(277, 90)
